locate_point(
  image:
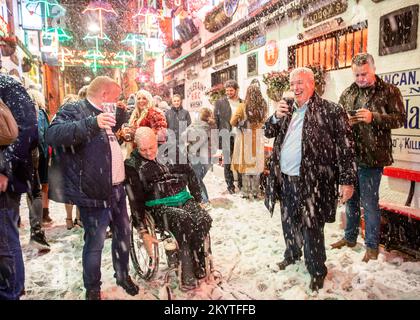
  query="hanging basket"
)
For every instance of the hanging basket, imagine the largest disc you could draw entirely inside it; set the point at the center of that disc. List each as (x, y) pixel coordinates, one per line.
(274, 94)
(216, 19)
(7, 51)
(174, 53)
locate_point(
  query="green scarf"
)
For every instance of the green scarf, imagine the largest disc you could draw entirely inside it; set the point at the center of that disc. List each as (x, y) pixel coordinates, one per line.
(171, 201)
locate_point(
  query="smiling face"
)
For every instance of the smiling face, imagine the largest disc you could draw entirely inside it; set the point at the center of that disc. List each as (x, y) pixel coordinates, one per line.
(231, 93)
(303, 86)
(148, 147)
(141, 101)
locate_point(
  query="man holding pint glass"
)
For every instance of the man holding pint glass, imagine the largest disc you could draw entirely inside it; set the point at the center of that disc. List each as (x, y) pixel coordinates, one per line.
(312, 156)
(88, 171)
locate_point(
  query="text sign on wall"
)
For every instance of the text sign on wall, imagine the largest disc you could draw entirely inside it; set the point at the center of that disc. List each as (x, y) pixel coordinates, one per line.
(324, 13)
(195, 95)
(406, 140)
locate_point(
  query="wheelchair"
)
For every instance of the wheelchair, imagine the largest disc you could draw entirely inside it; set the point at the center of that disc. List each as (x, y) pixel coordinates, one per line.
(146, 266)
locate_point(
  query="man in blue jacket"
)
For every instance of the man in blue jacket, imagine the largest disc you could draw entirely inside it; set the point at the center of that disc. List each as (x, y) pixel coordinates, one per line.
(88, 171)
(15, 179)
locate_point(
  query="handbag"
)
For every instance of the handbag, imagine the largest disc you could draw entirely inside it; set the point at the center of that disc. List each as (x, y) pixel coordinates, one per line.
(8, 127)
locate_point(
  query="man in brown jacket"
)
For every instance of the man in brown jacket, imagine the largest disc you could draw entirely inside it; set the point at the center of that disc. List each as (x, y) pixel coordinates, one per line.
(374, 108)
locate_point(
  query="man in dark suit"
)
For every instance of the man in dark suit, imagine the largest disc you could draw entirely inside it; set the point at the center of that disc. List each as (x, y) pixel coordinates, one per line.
(223, 110)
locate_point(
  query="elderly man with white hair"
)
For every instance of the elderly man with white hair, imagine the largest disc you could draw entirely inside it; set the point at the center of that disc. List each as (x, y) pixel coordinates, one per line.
(312, 155)
(162, 190)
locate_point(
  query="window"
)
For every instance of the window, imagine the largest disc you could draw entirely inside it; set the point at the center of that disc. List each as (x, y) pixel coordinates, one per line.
(333, 51)
(398, 30)
(224, 75)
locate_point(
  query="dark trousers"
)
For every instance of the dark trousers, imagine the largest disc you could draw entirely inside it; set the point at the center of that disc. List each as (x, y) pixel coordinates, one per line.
(95, 222)
(297, 233)
(34, 200)
(12, 271)
(190, 225)
(228, 171)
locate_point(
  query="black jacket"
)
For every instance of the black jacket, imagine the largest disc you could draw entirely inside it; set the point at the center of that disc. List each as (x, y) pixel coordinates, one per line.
(174, 117)
(148, 180)
(16, 159)
(373, 141)
(327, 159)
(223, 113)
(81, 164)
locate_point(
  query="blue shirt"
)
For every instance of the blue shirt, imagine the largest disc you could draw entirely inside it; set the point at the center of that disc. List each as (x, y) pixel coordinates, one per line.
(291, 150)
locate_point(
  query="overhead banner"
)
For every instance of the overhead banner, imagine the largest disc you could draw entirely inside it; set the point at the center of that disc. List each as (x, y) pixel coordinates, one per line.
(406, 140)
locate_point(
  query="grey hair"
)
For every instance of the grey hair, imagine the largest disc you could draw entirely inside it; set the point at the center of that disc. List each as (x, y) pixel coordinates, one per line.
(363, 58)
(143, 133)
(302, 70)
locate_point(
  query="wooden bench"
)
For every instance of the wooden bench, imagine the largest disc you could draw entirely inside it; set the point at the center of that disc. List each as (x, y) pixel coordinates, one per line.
(400, 228)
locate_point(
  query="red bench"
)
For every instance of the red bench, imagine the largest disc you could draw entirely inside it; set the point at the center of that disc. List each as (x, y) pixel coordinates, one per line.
(400, 228)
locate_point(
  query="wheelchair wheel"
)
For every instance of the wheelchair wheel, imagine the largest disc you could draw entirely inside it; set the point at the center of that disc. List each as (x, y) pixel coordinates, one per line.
(145, 266)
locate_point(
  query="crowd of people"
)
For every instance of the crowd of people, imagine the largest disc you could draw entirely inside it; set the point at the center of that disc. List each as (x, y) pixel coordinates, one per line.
(324, 153)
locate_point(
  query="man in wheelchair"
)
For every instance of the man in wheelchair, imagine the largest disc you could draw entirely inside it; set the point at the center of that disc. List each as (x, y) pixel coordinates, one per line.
(162, 191)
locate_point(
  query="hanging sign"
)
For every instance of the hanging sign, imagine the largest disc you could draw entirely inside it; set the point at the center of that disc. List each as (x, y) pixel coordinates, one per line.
(324, 13)
(271, 53)
(230, 7)
(252, 42)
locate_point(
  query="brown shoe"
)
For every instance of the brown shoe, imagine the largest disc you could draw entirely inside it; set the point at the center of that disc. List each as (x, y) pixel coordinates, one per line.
(371, 254)
(341, 243)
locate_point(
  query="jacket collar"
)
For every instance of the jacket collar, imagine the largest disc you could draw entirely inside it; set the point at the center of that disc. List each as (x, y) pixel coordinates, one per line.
(177, 109)
(314, 102)
(91, 107)
(379, 85)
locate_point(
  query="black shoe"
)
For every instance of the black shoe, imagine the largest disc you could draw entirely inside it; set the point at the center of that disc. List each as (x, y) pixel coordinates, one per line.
(231, 190)
(283, 264)
(200, 273)
(129, 286)
(93, 295)
(38, 239)
(316, 283)
(188, 283)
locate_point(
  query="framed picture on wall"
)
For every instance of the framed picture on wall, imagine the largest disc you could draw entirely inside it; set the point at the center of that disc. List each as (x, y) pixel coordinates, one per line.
(398, 30)
(252, 64)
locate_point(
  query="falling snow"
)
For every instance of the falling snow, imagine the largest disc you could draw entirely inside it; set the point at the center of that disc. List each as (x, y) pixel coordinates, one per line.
(246, 244)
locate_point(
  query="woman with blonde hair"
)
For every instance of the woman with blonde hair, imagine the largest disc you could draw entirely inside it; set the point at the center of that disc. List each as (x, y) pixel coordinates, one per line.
(145, 114)
(248, 152)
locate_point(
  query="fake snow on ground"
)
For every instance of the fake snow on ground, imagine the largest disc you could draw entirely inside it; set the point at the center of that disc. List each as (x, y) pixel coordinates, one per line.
(246, 244)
